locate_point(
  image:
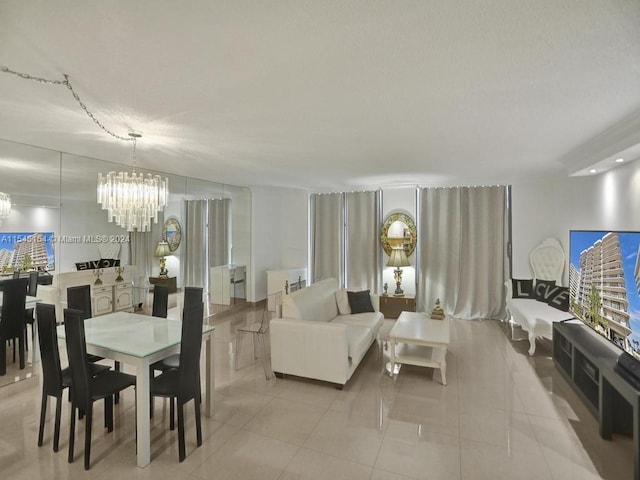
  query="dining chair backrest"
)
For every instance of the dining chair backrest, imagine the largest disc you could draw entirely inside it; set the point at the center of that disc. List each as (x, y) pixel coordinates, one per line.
(13, 304)
(192, 296)
(79, 298)
(190, 347)
(32, 289)
(160, 301)
(77, 354)
(49, 352)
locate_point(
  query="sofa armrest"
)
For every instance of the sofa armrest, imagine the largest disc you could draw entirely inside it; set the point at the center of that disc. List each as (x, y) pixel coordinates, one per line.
(310, 349)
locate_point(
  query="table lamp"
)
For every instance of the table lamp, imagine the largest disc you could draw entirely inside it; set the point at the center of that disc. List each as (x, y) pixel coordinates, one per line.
(162, 250)
(398, 258)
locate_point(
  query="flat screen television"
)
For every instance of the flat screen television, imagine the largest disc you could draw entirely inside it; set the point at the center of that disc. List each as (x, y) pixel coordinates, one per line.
(604, 284)
(26, 251)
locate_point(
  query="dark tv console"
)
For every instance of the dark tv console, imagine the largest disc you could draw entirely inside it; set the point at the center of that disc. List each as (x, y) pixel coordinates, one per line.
(588, 361)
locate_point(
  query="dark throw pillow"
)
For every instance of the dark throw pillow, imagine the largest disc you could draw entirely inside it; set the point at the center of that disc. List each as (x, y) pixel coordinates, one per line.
(560, 298)
(360, 301)
(544, 290)
(522, 288)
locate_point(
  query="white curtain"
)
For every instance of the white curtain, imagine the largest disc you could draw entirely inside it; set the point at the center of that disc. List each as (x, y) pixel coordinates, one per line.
(194, 244)
(219, 215)
(363, 250)
(463, 249)
(327, 249)
(142, 246)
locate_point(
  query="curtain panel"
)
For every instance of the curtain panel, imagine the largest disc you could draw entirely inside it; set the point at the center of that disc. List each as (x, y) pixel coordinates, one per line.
(345, 244)
(327, 248)
(463, 250)
(363, 251)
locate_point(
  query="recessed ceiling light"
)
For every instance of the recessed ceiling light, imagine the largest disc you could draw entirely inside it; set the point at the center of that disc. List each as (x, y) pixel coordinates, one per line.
(593, 170)
(619, 160)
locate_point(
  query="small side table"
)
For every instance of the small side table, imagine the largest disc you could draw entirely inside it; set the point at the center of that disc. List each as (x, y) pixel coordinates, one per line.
(166, 281)
(392, 307)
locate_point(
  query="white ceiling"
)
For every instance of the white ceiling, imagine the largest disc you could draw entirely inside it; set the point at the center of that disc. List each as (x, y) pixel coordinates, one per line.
(328, 94)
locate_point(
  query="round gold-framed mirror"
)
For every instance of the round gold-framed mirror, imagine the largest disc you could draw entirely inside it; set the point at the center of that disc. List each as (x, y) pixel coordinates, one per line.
(172, 233)
(399, 229)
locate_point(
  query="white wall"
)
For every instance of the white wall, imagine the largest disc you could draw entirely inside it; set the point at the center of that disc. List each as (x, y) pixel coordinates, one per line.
(279, 234)
(554, 206)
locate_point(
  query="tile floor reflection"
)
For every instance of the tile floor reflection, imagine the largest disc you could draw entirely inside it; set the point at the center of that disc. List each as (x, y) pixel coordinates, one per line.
(503, 415)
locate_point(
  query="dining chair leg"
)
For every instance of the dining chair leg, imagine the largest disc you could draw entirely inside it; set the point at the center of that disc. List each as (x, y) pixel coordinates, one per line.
(72, 431)
(56, 427)
(181, 446)
(172, 414)
(43, 414)
(3, 356)
(196, 405)
(87, 436)
(108, 413)
(21, 342)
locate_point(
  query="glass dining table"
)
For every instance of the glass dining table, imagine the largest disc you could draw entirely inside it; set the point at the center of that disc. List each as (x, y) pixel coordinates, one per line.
(140, 340)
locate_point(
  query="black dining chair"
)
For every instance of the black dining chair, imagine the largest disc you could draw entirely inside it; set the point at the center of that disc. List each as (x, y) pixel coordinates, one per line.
(192, 298)
(160, 301)
(86, 388)
(32, 291)
(79, 298)
(12, 321)
(183, 384)
(54, 378)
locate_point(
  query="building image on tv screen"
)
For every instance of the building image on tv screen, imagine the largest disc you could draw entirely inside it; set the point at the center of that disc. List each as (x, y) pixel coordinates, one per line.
(26, 251)
(604, 284)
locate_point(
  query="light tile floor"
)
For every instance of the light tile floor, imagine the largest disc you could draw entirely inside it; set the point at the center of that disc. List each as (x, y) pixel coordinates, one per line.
(503, 415)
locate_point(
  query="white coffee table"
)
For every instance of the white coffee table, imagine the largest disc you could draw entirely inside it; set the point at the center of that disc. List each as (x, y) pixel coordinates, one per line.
(416, 339)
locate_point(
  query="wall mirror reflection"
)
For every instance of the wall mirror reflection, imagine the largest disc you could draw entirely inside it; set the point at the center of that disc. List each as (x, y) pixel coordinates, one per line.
(54, 192)
(398, 229)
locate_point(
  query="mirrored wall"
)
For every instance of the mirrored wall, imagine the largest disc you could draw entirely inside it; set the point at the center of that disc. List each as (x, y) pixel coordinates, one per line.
(208, 225)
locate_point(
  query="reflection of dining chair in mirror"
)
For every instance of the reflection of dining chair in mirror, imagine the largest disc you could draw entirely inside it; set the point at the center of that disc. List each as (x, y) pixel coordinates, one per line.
(32, 291)
(12, 321)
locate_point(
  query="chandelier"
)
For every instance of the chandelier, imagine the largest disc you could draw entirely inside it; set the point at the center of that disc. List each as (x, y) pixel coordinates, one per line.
(5, 205)
(132, 199)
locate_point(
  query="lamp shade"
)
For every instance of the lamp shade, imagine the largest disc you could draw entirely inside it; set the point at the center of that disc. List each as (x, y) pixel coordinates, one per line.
(398, 258)
(162, 250)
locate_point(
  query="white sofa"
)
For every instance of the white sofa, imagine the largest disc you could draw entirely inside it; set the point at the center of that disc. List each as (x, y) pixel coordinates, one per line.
(313, 340)
(536, 318)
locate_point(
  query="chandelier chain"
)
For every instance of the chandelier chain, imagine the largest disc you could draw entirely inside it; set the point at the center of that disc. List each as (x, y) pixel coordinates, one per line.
(66, 82)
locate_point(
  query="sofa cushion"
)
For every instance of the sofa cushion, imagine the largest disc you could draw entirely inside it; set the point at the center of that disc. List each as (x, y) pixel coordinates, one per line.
(360, 301)
(372, 320)
(522, 288)
(358, 339)
(560, 298)
(543, 289)
(342, 299)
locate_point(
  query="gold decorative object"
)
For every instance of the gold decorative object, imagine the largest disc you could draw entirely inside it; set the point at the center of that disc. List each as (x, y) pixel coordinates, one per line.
(119, 271)
(437, 313)
(398, 259)
(162, 250)
(98, 272)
